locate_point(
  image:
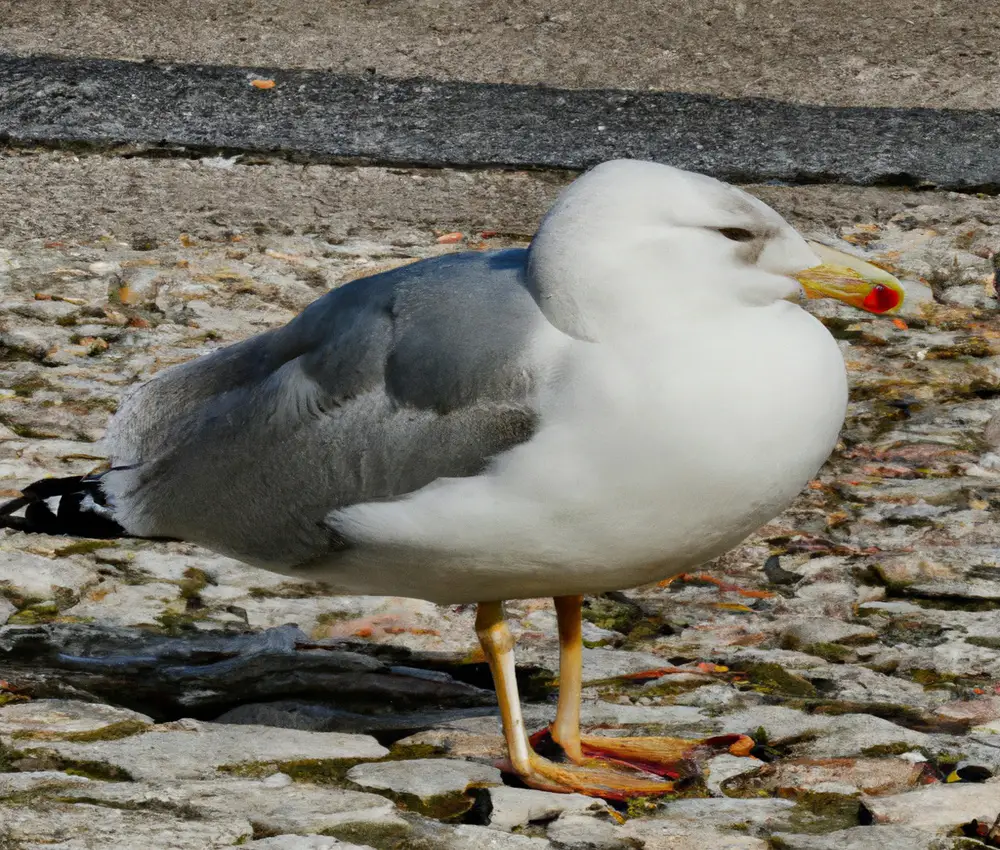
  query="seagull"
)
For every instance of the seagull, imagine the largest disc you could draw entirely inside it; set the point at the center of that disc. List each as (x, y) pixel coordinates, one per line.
(624, 400)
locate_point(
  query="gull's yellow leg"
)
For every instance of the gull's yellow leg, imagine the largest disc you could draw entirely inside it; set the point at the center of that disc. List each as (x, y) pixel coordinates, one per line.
(498, 646)
(565, 730)
(664, 756)
(535, 771)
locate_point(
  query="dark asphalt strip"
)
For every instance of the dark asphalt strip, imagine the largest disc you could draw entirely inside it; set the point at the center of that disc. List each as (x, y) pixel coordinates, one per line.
(320, 116)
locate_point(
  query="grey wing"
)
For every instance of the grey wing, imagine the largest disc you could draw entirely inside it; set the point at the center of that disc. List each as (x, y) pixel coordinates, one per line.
(375, 390)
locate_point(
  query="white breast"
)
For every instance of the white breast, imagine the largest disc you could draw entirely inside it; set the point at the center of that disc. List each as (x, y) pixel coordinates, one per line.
(653, 455)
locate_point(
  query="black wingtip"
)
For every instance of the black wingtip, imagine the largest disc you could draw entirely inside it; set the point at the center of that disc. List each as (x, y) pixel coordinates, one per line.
(78, 515)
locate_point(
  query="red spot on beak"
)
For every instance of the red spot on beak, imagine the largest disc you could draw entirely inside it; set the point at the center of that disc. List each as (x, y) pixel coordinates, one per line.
(880, 299)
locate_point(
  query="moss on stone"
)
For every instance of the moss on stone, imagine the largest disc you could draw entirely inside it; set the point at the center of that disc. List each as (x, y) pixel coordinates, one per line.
(440, 807)
(193, 583)
(301, 590)
(639, 807)
(177, 620)
(897, 749)
(973, 346)
(126, 573)
(770, 678)
(111, 732)
(408, 752)
(325, 771)
(671, 686)
(985, 641)
(316, 771)
(953, 603)
(84, 547)
(183, 810)
(902, 715)
(35, 613)
(610, 614)
(912, 630)
(28, 432)
(818, 813)
(381, 836)
(8, 757)
(643, 632)
(931, 678)
(41, 759)
(29, 385)
(832, 652)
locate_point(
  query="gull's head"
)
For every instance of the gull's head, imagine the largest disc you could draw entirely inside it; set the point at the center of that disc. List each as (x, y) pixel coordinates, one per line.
(635, 235)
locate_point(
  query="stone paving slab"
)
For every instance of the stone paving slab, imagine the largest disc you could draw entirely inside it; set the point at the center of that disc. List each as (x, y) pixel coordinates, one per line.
(320, 116)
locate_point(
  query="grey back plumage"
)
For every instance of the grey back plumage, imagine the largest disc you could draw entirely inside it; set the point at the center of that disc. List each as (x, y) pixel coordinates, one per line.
(375, 390)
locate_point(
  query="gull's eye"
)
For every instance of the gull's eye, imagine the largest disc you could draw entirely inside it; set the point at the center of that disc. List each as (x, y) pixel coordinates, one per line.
(738, 234)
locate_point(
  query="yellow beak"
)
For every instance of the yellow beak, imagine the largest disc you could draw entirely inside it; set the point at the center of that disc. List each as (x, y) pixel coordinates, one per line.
(850, 280)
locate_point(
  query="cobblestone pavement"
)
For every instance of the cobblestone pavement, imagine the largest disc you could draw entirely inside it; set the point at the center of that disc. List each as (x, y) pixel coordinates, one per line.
(856, 637)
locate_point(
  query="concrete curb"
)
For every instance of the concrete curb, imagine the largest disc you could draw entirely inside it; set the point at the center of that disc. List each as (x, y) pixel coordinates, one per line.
(320, 116)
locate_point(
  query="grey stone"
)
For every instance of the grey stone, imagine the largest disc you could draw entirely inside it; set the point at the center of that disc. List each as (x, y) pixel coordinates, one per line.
(855, 684)
(6, 609)
(972, 589)
(861, 838)
(840, 776)
(424, 778)
(854, 734)
(831, 598)
(486, 747)
(662, 834)
(598, 663)
(790, 659)
(895, 607)
(918, 510)
(839, 735)
(303, 842)
(38, 780)
(285, 807)
(977, 712)
(717, 696)
(41, 577)
(544, 620)
(826, 630)
(182, 674)
(721, 768)
(319, 717)
(131, 605)
(938, 807)
(971, 295)
(678, 720)
(512, 807)
(952, 658)
(81, 826)
(467, 837)
(190, 749)
(582, 832)
(60, 717)
(727, 812)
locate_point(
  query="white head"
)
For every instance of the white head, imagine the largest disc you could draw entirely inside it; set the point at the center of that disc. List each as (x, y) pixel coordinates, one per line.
(630, 237)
